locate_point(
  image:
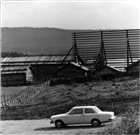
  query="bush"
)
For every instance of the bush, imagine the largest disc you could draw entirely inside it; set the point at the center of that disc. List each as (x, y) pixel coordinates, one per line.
(129, 124)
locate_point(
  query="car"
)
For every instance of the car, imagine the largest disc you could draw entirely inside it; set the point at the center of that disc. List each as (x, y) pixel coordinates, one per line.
(82, 115)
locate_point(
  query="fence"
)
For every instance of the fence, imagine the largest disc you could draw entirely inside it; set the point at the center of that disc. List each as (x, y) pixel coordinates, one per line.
(120, 48)
(21, 97)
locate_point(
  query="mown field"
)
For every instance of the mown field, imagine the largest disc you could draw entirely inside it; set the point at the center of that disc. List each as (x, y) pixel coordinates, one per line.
(9, 91)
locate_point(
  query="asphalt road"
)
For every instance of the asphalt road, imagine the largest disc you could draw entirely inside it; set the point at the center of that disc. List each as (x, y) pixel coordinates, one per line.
(43, 127)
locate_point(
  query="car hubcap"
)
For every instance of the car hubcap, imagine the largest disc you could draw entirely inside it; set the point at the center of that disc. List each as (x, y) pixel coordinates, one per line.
(95, 123)
(59, 124)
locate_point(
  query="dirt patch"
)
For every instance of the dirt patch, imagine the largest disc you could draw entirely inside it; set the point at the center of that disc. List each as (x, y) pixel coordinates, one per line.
(44, 127)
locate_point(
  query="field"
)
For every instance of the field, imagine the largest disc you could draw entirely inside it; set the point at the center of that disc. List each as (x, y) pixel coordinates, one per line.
(118, 95)
(113, 92)
(9, 91)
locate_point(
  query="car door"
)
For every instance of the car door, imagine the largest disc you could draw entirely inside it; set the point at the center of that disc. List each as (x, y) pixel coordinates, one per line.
(89, 114)
(76, 116)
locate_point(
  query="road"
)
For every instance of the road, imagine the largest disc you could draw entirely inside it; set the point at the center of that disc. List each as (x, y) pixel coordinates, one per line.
(43, 127)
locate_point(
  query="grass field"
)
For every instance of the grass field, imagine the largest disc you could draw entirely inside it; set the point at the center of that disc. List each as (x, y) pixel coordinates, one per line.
(8, 91)
(126, 87)
(58, 99)
(122, 87)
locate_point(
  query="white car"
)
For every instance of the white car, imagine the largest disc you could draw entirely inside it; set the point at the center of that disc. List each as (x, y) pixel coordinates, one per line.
(82, 115)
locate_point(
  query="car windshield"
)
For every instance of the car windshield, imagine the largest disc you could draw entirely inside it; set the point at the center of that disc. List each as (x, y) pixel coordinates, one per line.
(69, 112)
(97, 109)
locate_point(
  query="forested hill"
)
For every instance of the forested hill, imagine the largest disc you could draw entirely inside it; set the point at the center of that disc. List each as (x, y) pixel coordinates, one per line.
(36, 41)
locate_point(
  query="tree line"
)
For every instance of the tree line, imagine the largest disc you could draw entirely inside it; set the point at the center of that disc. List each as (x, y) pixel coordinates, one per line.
(12, 54)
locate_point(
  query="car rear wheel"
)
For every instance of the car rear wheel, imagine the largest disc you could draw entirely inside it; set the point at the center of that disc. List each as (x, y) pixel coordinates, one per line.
(59, 124)
(95, 123)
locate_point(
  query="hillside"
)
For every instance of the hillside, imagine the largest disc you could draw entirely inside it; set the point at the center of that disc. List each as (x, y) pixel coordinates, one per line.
(36, 41)
(47, 100)
(90, 92)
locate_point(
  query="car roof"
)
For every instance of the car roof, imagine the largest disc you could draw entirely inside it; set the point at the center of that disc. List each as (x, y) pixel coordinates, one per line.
(76, 107)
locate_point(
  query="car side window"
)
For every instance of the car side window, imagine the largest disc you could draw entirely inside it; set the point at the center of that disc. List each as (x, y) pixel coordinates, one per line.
(77, 111)
(89, 110)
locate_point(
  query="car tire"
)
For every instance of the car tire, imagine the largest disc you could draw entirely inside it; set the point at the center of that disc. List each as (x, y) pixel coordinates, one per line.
(59, 124)
(95, 123)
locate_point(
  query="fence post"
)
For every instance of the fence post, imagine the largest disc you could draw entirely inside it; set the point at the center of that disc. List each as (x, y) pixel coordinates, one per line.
(112, 104)
(98, 97)
(5, 103)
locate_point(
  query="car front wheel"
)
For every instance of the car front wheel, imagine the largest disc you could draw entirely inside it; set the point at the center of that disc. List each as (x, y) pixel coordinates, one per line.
(95, 123)
(59, 124)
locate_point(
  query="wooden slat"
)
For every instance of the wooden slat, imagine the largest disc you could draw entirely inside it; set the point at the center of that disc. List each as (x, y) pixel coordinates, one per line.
(115, 43)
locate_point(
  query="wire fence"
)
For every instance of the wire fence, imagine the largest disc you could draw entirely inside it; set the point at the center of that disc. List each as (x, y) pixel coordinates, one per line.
(21, 97)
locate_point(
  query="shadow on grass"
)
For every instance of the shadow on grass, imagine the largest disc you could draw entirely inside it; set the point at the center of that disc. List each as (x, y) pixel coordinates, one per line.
(67, 128)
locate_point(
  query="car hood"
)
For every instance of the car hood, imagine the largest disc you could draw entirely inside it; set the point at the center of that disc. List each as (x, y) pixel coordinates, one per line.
(59, 115)
(104, 112)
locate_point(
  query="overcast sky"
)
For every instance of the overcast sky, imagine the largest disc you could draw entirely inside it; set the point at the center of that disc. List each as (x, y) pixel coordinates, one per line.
(72, 15)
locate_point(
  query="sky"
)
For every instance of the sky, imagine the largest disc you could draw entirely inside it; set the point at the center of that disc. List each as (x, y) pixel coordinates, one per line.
(71, 14)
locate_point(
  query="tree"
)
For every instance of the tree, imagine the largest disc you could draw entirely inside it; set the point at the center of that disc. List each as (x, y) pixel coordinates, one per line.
(98, 62)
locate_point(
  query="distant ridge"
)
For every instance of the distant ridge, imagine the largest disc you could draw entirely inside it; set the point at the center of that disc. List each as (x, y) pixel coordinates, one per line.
(36, 41)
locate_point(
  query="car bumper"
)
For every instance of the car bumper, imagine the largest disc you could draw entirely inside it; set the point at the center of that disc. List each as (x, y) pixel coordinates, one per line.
(109, 120)
(51, 122)
(112, 118)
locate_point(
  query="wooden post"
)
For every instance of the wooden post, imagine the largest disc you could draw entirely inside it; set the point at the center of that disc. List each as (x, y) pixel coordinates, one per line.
(102, 49)
(75, 47)
(76, 56)
(38, 73)
(128, 50)
(112, 104)
(2, 101)
(5, 104)
(127, 57)
(98, 97)
(67, 54)
(101, 46)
